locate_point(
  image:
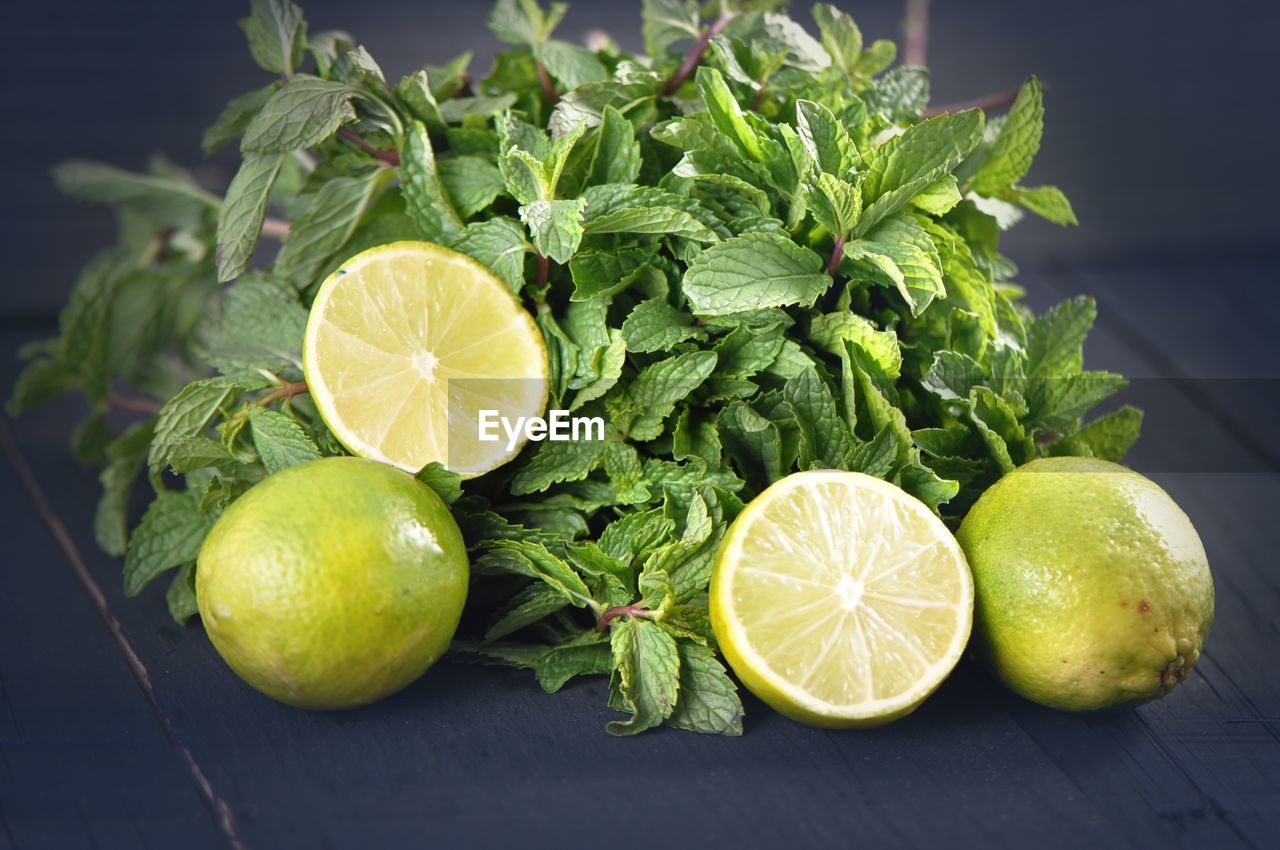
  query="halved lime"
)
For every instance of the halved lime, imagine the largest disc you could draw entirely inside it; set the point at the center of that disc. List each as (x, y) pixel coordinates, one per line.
(840, 600)
(407, 343)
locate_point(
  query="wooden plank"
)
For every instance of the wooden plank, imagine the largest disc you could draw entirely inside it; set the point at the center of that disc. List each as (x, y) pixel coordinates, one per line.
(82, 761)
(1206, 759)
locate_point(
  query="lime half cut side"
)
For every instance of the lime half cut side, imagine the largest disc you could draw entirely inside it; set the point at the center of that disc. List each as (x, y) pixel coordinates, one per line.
(408, 343)
(840, 600)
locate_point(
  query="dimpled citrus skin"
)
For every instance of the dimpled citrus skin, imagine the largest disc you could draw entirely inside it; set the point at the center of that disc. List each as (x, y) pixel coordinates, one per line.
(333, 583)
(1092, 587)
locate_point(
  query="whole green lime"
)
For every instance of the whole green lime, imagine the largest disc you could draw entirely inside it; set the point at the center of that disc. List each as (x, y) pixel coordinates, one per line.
(1092, 589)
(333, 583)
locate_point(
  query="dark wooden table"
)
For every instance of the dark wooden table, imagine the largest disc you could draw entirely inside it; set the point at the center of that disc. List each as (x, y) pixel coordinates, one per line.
(119, 729)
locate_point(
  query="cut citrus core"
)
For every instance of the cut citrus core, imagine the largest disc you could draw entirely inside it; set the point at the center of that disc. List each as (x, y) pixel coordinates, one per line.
(407, 342)
(839, 599)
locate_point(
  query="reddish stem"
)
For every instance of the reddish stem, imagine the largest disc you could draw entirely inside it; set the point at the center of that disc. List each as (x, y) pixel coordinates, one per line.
(285, 391)
(544, 271)
(619, 611)
(837, 254)
(995, 100)
(758, 99)
(916, 27)
(133, 405)
(548, 88)
(390, 157)
(695, 56)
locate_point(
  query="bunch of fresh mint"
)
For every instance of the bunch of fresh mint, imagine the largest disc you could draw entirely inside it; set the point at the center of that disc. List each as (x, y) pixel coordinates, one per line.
(749, 251)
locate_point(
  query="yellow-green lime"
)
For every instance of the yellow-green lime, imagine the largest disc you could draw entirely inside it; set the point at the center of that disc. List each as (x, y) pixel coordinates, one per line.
(407, 336)
(839, 599)
(1093, 589)
(334, 583)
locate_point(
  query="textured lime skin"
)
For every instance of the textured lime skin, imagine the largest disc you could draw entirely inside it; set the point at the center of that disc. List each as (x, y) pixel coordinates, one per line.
(1092, 587)
(334, 583)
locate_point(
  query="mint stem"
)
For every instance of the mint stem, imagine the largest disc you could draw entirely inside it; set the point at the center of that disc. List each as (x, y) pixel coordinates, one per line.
(837, 254)
(275, 228)
(133, 405)
(695, 55)
(285, 391)
(548, 88)
(391, 158)
(620, 611)
(916, 29)
(544, 271)
(995, 100)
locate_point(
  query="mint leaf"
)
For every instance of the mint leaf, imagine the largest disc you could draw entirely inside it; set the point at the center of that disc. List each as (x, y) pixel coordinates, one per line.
(532, 559)
(277, 35)
(830, 331)
(841, 38)
(161, 196)
(939, 198)
(708, 700)
(726, 114)
(169, 535)
(323, 228)
(555, 462)
(260, 326)
(472, 183)
(826, 139)
(523, 21)
(556, 227)
(653, 220)
(602, 273)
(658, 387)
(500, 244)
(825, 441)
(301, 114)
(235, 117)
(445, 484)
(617, 157)
(530, 605)
(181, 596)
(569, 64)
(901, 254)
(903, 166)
(752, 271)
(424, 194)
(1108, 437)
(562, 663)
(125, 458)
(648, 672)
(240, 221)
(280, 441)
(903, 92)
(1055, 340)
(192, 410)
(1048, 202)
(746, 351)
(654, 325)
(667, 22)
(1009, 158)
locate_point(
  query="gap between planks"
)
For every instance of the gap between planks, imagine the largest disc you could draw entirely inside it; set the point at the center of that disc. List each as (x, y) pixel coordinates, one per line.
(218, 807)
